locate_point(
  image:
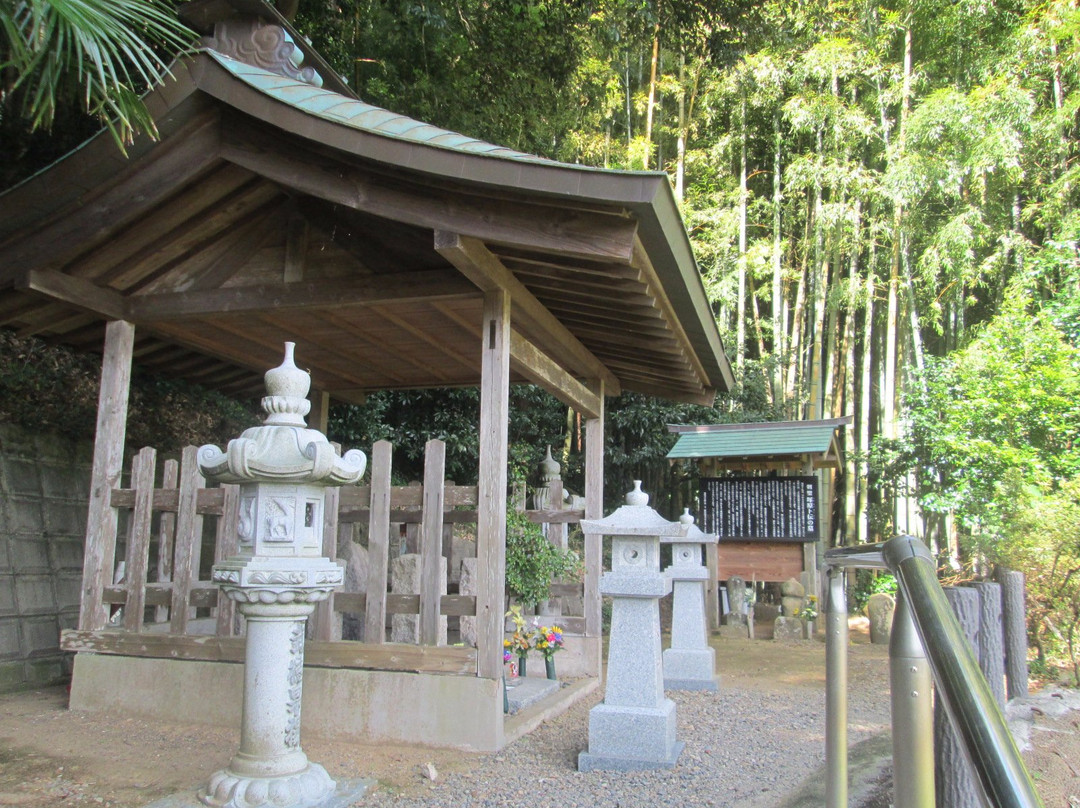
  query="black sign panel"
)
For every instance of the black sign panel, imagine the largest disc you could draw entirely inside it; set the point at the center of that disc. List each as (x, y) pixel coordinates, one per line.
(767, 508)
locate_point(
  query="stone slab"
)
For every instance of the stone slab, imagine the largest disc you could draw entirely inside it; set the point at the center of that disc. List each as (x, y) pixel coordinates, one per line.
(588, 762)
(733, 631)
(708, 685)
(682, 665)
(522, 692)
(637, 733)
(347, 793)
(457, 712)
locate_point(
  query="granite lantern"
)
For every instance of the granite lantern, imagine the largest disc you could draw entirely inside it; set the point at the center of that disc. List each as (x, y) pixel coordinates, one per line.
(276, 578)
(634, 727)
(690, 662)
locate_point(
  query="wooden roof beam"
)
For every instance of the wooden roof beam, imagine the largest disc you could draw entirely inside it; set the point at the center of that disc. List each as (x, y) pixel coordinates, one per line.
(477, 263)
(368, 290)
(529, 361)
(578, 234)
(543, 371)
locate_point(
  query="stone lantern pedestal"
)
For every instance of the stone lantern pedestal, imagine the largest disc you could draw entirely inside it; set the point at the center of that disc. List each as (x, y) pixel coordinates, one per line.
(634, 727)
(276, 578)
(690, 662)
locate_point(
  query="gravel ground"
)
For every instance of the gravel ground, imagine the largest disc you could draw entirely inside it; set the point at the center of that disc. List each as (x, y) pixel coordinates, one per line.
(748, 745)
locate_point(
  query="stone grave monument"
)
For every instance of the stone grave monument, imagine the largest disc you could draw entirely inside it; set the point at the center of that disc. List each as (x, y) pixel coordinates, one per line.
(276, 578)
(634, 727)
(690, 663)
(788, 626)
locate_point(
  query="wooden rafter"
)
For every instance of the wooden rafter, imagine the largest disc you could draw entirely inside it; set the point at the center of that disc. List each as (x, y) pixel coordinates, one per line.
(149, 182)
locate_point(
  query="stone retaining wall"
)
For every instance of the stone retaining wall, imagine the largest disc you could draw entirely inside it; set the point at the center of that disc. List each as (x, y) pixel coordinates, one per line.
(44, 488)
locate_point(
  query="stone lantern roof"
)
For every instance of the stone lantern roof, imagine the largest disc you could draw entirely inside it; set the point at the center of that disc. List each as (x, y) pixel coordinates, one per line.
(283, 449)
(635, 518)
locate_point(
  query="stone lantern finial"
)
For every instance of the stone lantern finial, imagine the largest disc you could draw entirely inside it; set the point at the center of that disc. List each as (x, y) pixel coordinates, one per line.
(286, 402)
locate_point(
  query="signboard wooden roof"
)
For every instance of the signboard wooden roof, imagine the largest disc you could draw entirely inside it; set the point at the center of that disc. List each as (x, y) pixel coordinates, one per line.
(272, 209)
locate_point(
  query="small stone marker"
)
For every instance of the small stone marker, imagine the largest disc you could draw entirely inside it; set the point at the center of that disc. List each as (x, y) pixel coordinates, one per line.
(634, 728)
(690, 663)
(880, 608)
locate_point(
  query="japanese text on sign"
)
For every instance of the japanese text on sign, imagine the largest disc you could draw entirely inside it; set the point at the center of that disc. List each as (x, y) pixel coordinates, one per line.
(771, 508)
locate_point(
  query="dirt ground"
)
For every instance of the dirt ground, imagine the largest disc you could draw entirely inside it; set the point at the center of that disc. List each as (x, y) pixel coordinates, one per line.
(50, 756)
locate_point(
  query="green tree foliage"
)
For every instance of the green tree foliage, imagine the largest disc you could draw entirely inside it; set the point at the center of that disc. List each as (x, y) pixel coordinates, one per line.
(1043, 539)
(96, 54)
(994, 426)
(532, 562)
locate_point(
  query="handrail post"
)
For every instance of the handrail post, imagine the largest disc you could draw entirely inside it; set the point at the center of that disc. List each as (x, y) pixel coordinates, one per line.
(961, 685)
(836, 706)
(912, 712)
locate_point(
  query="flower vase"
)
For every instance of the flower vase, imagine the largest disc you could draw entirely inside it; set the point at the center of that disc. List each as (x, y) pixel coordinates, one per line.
(506, 695)
(521, 665)
(549, 663)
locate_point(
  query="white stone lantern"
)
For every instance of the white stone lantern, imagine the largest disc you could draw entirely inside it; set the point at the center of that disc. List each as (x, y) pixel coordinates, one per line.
(634, 727)
(690, 662)
(276, 578)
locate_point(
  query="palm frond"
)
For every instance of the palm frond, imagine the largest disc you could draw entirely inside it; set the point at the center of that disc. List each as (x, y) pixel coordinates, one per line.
(100, 52)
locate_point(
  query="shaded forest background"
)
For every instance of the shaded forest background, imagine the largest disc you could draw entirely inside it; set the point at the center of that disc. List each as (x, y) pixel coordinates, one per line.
(882, 201)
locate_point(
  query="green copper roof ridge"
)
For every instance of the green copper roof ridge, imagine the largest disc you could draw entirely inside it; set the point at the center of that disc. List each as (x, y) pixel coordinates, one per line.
(278, 87)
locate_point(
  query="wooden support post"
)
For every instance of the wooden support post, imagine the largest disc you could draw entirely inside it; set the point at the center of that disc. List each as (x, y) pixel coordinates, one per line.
(228, 544)
(326, 619)
(108, 463)
(166, 534)
(188, 540)
(378, 543)
(491, 508)
(431, 560)
(320, 410)
(138, 545)
(594, 509)
(712, 588)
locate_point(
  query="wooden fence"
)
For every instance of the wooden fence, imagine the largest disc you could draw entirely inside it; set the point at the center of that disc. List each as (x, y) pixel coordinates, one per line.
(183, 604)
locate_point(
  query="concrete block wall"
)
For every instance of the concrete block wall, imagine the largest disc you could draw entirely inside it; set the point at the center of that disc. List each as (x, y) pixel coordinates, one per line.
(44, 489)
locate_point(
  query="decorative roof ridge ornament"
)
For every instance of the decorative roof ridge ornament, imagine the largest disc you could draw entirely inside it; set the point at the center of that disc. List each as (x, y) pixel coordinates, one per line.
(284, 448)
(261, 44)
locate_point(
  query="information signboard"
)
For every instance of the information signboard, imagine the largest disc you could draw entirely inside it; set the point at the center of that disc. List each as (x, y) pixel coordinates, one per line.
(765, 508)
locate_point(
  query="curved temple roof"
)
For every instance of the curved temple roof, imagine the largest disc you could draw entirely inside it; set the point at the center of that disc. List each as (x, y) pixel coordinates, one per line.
(273, 210)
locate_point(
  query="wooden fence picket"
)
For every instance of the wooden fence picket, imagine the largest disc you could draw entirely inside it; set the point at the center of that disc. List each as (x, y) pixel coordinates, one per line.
(138, 544)
(188, 541)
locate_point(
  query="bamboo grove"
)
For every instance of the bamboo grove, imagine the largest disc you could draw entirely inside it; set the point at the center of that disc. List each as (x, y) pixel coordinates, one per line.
(865, 185)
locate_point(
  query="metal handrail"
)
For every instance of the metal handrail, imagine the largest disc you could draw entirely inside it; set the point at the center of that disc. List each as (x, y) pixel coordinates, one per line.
(926, 638)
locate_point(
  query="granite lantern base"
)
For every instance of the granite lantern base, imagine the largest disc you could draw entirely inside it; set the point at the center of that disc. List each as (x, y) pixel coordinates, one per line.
(634, 728)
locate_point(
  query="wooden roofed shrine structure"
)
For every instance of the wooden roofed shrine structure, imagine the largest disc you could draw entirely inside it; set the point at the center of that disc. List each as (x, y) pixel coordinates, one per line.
(759, 451)
(276, 206)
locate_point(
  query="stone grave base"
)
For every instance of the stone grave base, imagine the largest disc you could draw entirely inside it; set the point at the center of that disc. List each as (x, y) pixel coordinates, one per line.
(690, 669)
(734, 631)
(522, 692)
(631, 738)
(789, 629)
